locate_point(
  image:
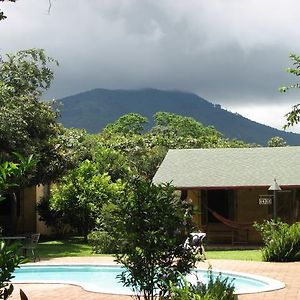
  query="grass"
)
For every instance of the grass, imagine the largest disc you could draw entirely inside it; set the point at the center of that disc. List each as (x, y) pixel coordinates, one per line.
(63, 248)
(254, 255)
(76, 247)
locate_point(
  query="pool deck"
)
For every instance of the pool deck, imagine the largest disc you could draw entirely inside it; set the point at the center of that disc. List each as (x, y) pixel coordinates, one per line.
(286, 272)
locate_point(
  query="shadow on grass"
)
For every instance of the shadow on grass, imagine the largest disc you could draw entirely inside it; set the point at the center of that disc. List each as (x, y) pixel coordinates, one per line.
(74, 246)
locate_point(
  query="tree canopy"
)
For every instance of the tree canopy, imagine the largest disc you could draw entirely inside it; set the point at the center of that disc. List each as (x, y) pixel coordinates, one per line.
(28, 125)
(80, 195)
(145, 150)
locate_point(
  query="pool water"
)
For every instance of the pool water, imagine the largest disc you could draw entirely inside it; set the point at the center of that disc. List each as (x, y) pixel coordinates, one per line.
(102, 279)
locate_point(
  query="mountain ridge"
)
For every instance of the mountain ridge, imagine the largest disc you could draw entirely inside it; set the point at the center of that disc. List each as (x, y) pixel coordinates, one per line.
(94, 109)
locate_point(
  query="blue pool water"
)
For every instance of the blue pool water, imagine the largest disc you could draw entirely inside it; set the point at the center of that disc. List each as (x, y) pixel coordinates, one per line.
(99, 278)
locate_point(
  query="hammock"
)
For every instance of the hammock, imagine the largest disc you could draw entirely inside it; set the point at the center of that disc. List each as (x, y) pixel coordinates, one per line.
(230, 223)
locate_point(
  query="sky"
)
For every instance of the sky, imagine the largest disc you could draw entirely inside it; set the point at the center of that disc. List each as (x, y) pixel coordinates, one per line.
(230, 52)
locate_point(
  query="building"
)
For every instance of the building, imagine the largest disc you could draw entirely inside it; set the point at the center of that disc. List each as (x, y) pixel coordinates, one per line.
(229, 187)
(18, 212)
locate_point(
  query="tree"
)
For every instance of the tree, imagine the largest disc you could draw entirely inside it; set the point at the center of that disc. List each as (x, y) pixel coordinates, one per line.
(81, 194)
(28, 125)
(112, 162)
(151, 225)
(132, 123)
(276, 141)
(177, 125)
(145, 151)
(27, 72)
(293, 117)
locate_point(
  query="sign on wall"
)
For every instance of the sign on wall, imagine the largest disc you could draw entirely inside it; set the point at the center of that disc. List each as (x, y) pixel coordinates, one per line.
(265, 200)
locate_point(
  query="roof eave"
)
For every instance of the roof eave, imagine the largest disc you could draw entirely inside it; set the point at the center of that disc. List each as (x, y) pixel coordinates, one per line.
(232, 187)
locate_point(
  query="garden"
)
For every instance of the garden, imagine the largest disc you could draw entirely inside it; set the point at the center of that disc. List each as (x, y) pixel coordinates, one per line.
(101, 189)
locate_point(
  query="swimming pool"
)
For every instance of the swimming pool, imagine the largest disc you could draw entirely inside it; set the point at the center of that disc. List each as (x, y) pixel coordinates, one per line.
(102, 278)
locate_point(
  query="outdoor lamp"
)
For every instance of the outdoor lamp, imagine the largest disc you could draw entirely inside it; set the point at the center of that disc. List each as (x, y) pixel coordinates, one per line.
(274, 187)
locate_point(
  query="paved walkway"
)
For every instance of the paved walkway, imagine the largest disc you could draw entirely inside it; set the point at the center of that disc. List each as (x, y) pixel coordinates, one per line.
(289, 273)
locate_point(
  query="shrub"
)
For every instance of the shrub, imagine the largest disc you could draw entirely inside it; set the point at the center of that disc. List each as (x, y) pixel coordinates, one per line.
(184, 291)
(217, 288)
(9, 260)
(281, 241)
(52, 218)
(151, 225)
(81, 194)
(102, 242)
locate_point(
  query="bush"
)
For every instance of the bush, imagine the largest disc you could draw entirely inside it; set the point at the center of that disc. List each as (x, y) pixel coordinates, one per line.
(216, 289)
(52, 218)
(151, 225)
(102, 242)
(281, 241)
(81, 194)
(9, 260)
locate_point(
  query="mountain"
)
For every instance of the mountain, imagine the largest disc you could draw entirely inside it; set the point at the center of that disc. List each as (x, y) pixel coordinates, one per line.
(94, 109)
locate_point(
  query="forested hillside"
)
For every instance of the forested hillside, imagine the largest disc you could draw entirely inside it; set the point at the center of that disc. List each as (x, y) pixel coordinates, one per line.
(94, 109)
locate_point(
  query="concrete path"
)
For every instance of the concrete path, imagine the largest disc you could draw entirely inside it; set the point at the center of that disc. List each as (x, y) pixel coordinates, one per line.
(289, 273)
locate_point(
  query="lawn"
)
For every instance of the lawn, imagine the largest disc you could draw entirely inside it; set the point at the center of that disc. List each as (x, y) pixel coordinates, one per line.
(63, 248)
(235, 254)
(76, 247)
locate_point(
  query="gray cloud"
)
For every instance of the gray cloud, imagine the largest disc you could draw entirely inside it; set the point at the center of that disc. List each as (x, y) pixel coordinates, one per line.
(231, 52)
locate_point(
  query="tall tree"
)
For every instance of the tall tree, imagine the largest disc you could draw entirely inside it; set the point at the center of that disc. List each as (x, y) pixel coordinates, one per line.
(293, 117)
(145, 150)
(29, 125)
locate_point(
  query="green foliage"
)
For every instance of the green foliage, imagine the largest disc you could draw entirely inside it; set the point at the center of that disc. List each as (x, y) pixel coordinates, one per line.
(132, 123)
(9, 260)
(53, 218)
(151, 225)
(277, 141)
(10, 172)
(184, 291)
(293, 117)
(176, 125)
(217, 288)
(102, 242)
(145, 152)
(113, 162)
(28, 125)
(281, 240)
(80, 195)
(27, 72)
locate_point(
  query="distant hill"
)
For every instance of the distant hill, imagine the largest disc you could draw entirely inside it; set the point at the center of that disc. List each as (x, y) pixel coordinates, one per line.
(94, 109)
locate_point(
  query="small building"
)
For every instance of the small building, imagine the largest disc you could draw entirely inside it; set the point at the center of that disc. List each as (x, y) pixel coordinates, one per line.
(18, 212)
(229, 187)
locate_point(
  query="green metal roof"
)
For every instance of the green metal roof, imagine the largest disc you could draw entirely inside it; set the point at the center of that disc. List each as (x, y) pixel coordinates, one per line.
(230, 167)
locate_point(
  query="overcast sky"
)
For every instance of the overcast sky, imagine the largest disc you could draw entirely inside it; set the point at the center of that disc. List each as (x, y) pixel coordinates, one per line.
(230, 52)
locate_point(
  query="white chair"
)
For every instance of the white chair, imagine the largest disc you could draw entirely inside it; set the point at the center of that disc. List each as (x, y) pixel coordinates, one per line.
(195, 243)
